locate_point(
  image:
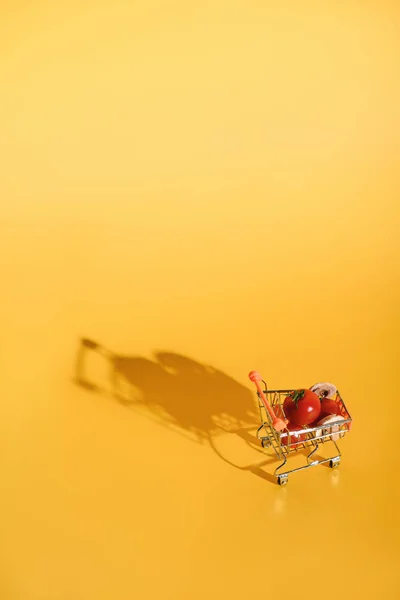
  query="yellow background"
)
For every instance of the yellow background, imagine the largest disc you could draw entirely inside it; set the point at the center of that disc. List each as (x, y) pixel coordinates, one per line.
(203, 188)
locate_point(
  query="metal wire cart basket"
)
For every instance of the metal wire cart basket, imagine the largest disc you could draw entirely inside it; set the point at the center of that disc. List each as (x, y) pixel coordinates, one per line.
(273, 432)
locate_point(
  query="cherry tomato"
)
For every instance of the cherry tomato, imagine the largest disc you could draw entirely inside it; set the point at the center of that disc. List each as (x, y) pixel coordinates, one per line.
(329, 407)
(302, 407)
(295, 436)
(278, 411)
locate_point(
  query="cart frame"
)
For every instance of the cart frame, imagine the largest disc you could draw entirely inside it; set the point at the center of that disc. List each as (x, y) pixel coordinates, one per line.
(316, 436)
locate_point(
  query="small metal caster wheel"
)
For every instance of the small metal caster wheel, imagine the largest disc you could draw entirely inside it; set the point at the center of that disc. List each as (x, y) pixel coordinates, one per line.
(334, 463)
(282, 480)
(265, 443)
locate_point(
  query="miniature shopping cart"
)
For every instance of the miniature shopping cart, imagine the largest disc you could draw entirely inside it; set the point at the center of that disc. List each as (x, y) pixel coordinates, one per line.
(273, 431)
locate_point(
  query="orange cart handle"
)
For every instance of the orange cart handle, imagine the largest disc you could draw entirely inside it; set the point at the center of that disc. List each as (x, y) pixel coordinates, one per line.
(277, 423)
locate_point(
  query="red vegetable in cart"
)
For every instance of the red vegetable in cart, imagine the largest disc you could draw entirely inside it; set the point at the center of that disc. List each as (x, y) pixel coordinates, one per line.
(329, 407)
(294, 436)
(302, 407)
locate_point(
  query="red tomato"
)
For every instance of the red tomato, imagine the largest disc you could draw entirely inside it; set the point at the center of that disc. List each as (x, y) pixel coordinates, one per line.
(329, 407)
(302, 407)
(295, 436)
(278, 411)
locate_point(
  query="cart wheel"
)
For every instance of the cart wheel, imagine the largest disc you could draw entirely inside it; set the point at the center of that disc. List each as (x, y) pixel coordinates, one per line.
(334, 463)
(282, 480)
(265, 443)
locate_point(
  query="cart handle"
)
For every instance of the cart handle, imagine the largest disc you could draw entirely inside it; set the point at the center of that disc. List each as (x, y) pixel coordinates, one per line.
(277, 423)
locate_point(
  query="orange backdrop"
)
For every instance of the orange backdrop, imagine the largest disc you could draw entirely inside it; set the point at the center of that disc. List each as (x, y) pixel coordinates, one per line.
(201, 189)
